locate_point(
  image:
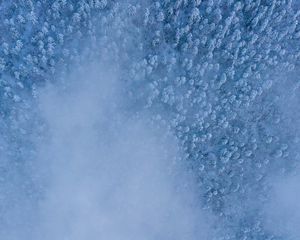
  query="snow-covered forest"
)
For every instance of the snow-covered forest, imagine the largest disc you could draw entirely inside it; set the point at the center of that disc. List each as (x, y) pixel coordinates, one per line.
(149, 119)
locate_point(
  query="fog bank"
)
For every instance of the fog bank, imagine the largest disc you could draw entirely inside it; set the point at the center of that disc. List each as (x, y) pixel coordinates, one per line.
(107, 174)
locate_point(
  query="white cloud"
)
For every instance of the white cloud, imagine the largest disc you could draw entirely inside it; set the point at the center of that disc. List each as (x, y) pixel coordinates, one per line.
(282, 211)
(108, 175)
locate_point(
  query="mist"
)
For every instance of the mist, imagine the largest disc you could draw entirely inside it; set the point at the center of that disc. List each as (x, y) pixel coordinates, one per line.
(281, 210)
(107, 173)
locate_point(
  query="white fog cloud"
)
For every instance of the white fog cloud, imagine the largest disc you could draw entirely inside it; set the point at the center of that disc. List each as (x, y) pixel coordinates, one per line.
(107, 175)
(282, 211)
